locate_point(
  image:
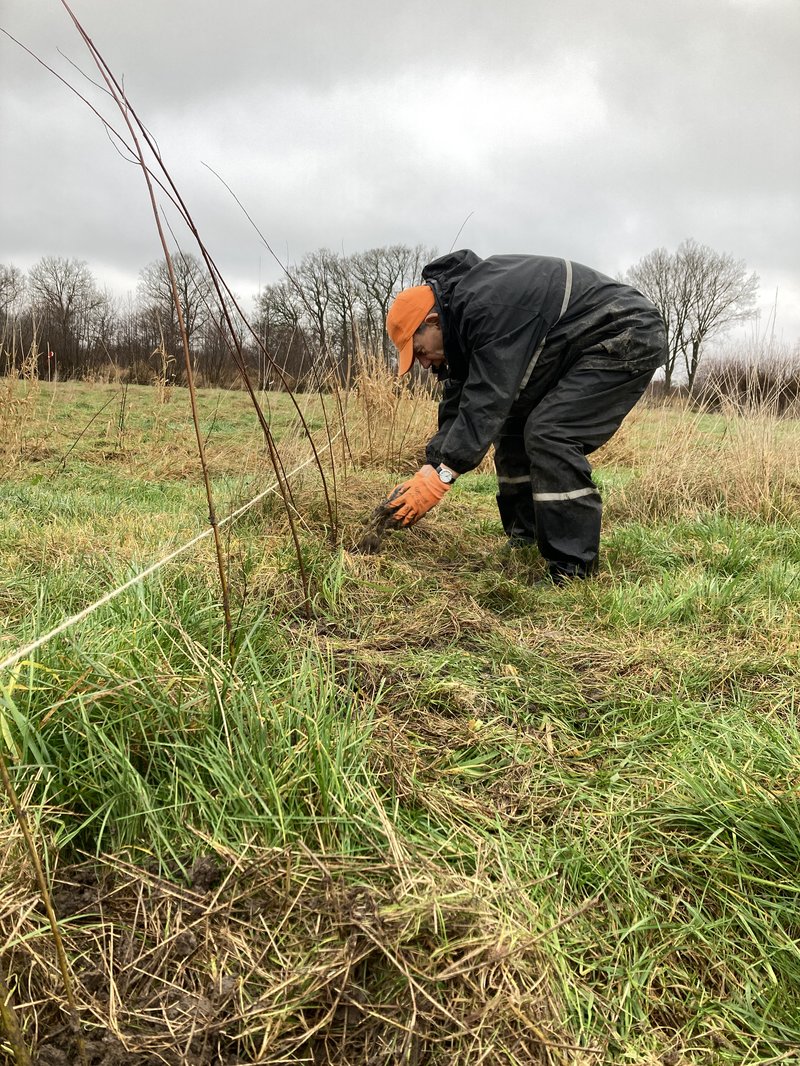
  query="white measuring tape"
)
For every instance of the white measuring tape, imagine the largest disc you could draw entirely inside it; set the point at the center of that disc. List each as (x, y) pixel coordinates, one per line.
(74, 619)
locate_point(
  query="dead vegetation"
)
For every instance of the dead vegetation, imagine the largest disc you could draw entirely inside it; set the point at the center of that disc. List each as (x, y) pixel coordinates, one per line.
(284, 956)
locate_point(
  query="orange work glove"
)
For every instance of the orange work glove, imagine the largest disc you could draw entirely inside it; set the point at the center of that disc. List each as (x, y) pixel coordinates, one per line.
(412, 499)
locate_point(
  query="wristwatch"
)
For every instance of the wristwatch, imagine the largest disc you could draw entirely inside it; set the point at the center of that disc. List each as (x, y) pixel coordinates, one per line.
(447, 477)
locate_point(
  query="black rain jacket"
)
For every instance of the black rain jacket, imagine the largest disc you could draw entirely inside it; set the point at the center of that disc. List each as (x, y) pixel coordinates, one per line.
(512, 326)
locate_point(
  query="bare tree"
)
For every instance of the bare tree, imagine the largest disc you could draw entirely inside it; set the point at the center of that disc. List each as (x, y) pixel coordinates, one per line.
(327, 309)
(344, 311)
(699, 293)
(68, 306)
(196, 294)
(279, 325)
(12, 291)
(314, 279)
(380, 273)
(331, 304)
(215, 360)
(719, 291)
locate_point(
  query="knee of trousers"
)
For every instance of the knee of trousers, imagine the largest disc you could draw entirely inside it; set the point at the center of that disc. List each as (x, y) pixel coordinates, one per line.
(511, 461)
(558, 465)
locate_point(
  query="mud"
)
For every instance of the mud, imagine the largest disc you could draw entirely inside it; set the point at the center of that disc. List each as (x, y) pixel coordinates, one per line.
(104, 1050)
(107, 1050)
(82, 893)
(77, 891)
(205, 874)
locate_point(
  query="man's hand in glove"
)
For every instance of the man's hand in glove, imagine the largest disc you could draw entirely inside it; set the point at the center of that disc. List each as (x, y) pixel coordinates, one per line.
(412, 499)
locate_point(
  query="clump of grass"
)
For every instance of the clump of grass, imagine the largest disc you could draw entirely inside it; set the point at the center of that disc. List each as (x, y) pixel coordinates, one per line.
(380, 942)
(624, 449)
(751, 378)
(389, 420)
(164, 376)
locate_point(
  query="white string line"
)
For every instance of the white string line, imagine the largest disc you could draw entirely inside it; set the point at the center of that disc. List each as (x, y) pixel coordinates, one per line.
(68, 623)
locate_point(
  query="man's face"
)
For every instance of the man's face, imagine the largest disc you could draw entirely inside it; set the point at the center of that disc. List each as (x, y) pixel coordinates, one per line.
(429, 344)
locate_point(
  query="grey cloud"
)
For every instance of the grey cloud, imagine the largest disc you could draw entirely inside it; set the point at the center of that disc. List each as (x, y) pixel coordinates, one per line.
(596, 131)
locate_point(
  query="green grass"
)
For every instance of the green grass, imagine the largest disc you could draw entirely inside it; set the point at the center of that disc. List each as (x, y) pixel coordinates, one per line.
(612, 767)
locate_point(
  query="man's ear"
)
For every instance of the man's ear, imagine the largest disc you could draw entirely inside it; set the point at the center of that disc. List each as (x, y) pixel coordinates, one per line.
(432, 318)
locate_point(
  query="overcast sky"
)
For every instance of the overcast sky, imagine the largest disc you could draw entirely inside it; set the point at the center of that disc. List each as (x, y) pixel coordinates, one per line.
(594, 131)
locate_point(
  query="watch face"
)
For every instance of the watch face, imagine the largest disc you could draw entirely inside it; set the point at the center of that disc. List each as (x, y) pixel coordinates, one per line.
(445, 476)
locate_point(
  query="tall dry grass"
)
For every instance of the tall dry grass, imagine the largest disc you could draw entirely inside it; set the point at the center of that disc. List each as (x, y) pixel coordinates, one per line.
(744, 462)
(389, 420)
(18, 393)
(277, 955)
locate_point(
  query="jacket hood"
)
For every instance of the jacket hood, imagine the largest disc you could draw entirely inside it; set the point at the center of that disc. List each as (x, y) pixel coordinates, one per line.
(444, 273)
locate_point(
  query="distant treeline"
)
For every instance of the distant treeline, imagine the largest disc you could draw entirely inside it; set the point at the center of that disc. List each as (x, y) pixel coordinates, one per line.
(324, 315)
(327, 314)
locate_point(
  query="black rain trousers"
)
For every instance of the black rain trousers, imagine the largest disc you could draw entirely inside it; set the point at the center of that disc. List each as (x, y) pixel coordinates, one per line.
(546, 494)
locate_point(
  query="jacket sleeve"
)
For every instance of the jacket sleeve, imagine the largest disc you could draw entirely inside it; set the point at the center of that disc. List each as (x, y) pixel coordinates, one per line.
(448, 410)
(496, 371)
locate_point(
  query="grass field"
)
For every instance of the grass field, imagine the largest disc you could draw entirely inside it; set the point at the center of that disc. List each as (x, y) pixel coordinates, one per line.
(453, 817)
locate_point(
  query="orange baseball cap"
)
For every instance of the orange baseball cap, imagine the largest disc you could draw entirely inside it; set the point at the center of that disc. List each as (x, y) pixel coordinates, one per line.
(406, 315)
